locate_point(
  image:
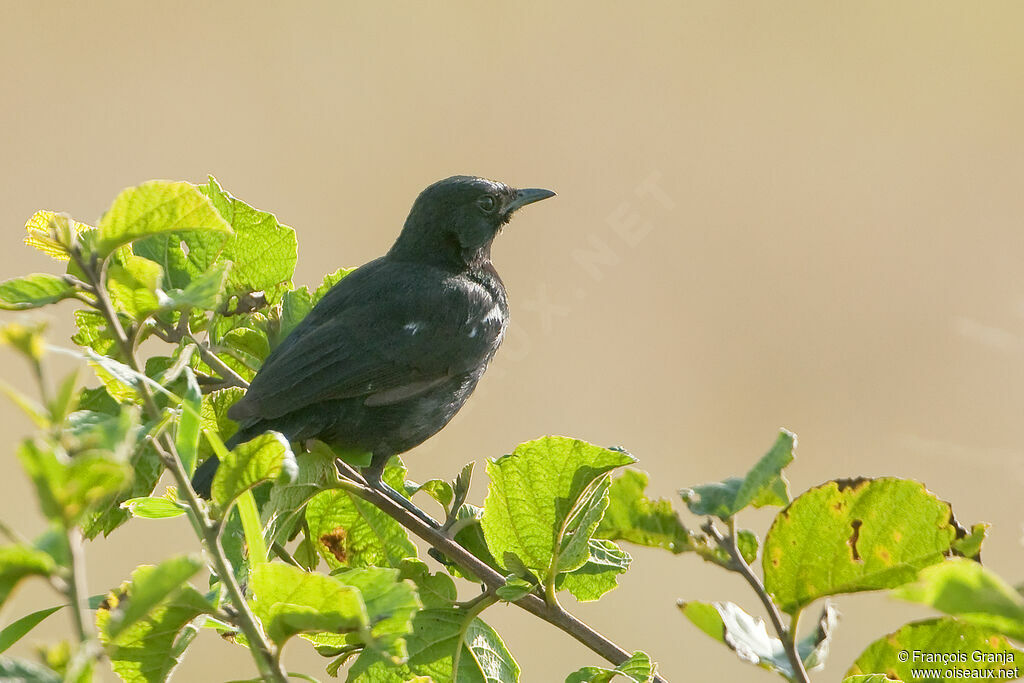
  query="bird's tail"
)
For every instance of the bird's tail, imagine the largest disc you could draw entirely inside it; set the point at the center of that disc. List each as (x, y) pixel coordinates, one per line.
(202, 480)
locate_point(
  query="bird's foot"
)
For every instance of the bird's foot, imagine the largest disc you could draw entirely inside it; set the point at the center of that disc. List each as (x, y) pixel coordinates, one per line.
(374, 481)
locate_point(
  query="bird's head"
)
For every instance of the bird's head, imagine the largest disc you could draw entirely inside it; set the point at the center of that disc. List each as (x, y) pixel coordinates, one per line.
(453, 222)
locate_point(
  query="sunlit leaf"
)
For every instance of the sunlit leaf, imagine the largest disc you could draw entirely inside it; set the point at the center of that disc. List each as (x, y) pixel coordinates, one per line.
(633, 517)
(18, 629)
(51, 232)
(946, 646)
(264, 458)
(151, 586)
(855, 535)
(290, 601)
(534, 494)
(33, 291)
(21, 561)
(157, 207)
(149, 650)
(151, 507)
(638, 668)
(763, 485)
(965, 589)
(437, 633)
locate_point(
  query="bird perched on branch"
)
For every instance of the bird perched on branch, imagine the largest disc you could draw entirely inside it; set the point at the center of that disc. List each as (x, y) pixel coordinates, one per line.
(392, 351)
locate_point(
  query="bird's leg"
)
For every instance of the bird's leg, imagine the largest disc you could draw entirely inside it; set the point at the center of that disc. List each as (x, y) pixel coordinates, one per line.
(373, 474)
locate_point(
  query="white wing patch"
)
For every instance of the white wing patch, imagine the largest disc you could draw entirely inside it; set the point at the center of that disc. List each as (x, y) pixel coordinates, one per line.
(493, 315)
(413, 327)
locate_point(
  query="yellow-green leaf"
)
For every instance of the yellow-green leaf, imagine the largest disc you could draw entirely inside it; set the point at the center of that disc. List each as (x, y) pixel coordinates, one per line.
(158, 206)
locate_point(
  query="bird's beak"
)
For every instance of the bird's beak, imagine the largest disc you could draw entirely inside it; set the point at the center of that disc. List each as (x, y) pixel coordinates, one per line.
(529, 196)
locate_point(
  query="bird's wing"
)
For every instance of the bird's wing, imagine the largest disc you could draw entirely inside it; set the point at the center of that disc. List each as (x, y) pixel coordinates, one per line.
(388, 339)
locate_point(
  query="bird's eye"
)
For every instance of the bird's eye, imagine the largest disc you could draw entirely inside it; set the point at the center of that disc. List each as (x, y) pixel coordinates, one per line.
(487, 203)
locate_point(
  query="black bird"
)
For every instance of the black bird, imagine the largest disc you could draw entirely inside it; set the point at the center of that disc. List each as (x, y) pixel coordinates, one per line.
(392, 351)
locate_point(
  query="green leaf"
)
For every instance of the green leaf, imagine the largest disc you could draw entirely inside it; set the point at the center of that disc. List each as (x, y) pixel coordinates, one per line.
(534, 495)
(21, 561)
(435, 590)
(295, 305)
(97, 400)
(249, 515)
(155, 207)
(969, 545)
(248, 349)
(65, 398)
(52, 232)
(12, 669)
(746, 541)
(107, 516)
(151, 507)
(264, 251)
(632, 516)
(93, 333)
(286, 502)
(33, 291)
(116, 434)
(390, 606)
(763, 485)
(214, 417)
(599, 573)
(151, 586)
(438, 489)
(946, 646)
(26, 339)
(290, 601)
(133, 286)
(854, 535)
(432, 644)
(16, 630)
(264, 458)
(638, 667)
(514, 589)
(349, 532)
(329, 281)
(970, 592)
(186, 439)
(748, 636)
(205, 291)
(870, 678)
(67, 490)
(150, 649)
(29, 406)
(574, 549)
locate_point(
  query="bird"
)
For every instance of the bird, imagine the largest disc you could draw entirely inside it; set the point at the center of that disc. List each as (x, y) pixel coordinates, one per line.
(393, 350)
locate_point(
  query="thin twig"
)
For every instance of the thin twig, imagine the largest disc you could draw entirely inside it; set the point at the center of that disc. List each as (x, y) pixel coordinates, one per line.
(75, 584)
(263, 651)
(231, 378)
(786, 635)
(553, 614)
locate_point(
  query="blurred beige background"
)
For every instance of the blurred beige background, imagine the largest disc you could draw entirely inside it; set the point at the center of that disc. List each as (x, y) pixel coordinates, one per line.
(803, 214)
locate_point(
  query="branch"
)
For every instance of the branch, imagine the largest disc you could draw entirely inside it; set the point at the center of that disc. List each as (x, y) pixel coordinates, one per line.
(739, 565)
(75, 584)
(263, 652)
(231, 378)
(551, 613)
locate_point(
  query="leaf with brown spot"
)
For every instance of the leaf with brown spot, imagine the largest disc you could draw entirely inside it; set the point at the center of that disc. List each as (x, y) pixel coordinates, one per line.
(855, 535)
(334, 541)
(899, 654)
(371, 538)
